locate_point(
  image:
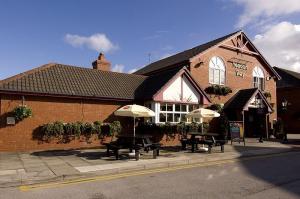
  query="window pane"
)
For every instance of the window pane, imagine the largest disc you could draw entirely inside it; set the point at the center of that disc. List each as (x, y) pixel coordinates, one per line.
(183, 118)
(216, 76)
(163, 107)
(183, 108)
(169, 107)
(176, 117)
(190, 108)
(261, 83)
(211, 75)
(222, 77)
(177, 107)
(255, 82)
(169, 117)
(162, 117)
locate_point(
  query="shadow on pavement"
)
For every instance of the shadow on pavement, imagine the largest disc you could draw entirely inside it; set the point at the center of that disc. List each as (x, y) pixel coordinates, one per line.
(279, 172)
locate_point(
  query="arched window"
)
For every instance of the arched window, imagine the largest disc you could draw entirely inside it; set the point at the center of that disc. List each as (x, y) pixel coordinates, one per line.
(258, 78)
(216, 71)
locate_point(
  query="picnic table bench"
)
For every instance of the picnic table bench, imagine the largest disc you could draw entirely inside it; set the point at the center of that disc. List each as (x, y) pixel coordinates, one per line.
(209, 139)
(140, 142)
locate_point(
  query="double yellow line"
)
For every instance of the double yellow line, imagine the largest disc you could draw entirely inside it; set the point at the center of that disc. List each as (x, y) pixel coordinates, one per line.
(137, 173)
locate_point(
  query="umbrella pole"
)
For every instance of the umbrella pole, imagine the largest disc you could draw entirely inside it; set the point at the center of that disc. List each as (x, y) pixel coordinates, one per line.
(201, 120)
(133, 130)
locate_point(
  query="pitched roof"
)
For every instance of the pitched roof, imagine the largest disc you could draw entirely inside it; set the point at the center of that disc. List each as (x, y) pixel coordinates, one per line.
(288, 78)
(73, 81)
(181, 57)
(242, 98)
(154, 83)
(58, 79)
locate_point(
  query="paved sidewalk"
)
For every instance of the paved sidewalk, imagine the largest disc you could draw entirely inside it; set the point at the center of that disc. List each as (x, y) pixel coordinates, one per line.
(27, 168)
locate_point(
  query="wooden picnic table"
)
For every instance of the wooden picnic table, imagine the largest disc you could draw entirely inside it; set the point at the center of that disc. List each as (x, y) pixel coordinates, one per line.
(136, 143)
(206, 138)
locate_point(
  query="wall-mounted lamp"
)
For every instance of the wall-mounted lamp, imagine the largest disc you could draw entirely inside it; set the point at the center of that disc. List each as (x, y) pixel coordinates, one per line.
(284, 104)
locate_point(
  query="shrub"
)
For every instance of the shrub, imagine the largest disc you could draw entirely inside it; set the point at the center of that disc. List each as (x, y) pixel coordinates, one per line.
(58, 129)
(68, 132)
(47, 131)
(115, 128)
(77, 129)
(87, 130)
(97, 128)
(181, 128)
(22, 112)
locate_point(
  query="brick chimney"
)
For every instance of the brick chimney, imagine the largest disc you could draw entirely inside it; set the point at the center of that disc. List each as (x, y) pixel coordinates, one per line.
(101, 63)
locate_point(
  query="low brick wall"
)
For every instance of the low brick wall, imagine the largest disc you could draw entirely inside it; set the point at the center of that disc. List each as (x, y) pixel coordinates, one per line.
(19, 137)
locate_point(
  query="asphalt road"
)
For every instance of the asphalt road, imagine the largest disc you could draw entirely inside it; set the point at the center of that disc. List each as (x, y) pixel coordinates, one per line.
(264, 177)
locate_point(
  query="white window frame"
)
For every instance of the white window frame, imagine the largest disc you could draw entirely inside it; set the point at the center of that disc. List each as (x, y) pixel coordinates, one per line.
(217, 66)
(173, 112)
(258, 78)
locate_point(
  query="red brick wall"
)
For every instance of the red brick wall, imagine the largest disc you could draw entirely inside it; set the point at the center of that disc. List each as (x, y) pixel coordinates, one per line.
(50, 109)
(291, 117)
(201, 74)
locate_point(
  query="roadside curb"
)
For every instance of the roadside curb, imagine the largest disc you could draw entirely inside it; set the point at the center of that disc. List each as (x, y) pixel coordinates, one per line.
(207, 161)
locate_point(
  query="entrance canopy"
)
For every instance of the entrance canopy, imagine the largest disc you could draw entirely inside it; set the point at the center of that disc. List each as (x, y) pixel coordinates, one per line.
(248, 98)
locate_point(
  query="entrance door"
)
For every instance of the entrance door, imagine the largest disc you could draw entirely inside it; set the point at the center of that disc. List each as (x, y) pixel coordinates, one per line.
(255, 122)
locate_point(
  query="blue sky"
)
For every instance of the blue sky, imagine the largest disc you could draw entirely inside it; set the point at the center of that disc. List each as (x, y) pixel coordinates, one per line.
(35, 32)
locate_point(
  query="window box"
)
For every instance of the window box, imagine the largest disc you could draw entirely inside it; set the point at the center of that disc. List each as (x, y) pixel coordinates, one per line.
(218, 90)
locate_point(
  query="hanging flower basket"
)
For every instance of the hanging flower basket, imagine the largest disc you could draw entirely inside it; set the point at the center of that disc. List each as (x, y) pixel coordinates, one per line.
(218, 90)
(21, 112)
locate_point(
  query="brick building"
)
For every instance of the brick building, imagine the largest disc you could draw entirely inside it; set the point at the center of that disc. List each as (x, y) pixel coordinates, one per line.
(232, 61)
(288, 93)
(171, 87)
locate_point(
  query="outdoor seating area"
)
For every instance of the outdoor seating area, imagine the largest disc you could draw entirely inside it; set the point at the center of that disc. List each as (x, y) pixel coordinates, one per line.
(209, 139)
(138, 144)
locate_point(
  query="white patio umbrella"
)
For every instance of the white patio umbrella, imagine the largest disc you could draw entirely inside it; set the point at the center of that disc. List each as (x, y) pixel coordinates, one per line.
(203, 113)
(134, 111)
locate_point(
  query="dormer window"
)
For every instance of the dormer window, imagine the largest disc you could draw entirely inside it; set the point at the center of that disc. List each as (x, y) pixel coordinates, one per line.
(217, 71)
(258, 78)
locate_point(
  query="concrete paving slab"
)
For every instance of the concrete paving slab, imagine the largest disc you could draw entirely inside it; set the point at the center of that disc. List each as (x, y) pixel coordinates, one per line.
(63, 169)
(36, 168)
(8, 172)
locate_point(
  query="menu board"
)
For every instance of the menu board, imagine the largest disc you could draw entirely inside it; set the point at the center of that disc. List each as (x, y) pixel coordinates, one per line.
(236, 130)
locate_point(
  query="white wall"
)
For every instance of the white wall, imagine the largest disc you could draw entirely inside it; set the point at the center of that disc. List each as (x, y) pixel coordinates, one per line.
(189, 92)
(176, 94)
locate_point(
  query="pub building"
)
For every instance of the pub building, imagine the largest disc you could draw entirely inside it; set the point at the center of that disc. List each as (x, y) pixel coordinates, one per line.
(171, 87)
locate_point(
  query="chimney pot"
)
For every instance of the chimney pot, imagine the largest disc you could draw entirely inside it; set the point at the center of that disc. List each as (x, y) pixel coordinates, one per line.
(101, 63)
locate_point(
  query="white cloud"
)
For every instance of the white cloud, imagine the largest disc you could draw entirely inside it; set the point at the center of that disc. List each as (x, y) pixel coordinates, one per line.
(118, 68)
(281, 45)
(262, 11)
(98, 42)
(132, 70)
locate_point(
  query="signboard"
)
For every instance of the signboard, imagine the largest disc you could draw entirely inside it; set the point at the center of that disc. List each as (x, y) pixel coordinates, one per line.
(10, 121)
(236, 130)
(240, 68)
